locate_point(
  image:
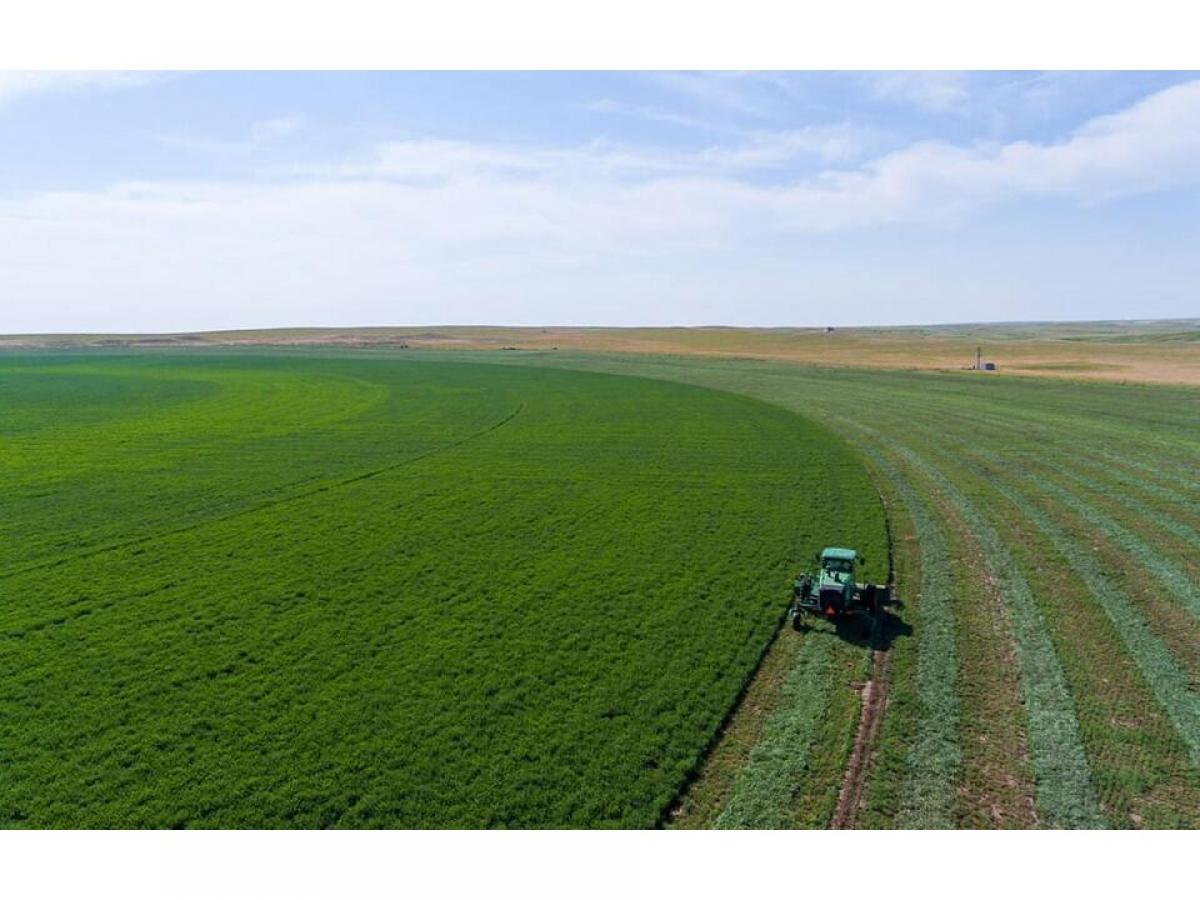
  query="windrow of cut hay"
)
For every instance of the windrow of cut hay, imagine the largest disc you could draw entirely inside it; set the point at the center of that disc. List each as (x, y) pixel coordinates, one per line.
(1073, 507)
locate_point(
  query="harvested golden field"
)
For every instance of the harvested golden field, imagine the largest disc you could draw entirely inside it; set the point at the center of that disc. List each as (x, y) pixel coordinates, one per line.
(1154, 352)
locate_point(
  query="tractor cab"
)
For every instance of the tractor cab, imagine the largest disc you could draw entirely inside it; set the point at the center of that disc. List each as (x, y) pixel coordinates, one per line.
(835, 580)
(837, 564)
(833, 591)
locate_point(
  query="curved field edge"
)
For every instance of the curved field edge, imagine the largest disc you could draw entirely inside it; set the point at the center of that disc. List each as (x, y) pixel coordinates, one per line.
(781, 758)
(1046, 433)
(249, 693)
(761, 792)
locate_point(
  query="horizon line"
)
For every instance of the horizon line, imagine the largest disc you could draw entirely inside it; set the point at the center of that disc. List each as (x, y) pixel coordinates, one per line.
(595, 327)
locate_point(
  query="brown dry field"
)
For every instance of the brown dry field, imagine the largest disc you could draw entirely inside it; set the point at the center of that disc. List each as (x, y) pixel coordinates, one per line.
(1166, 352)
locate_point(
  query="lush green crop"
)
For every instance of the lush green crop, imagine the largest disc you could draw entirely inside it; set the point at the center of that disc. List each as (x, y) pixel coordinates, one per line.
(1054, 605)
(282, 590)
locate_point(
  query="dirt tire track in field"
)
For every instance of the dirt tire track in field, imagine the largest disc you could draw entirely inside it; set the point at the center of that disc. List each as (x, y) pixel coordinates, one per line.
(290, 498)
(874, 704)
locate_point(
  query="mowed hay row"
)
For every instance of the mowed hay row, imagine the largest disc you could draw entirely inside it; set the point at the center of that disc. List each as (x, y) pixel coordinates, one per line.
(166, 619)
(1030, 482)
(998, 766)
(1154, 536)
(1140, 766)
(1125, 729)
(914, 783)
(1163, 515)
(1064, 788)
(780, 761)
(1139, 544)
(515, 598)
(1157, 785)
(997, 786)
(707, 795)
(1129, 717)
(1157, 533)
(1155, 567)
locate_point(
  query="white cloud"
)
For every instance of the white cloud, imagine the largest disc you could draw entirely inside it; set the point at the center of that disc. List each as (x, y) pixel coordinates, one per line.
(928, 91)
(16, 86)
(425, 222)
(608, 106)
(771, 149)
(1152, 145)
(277, 128)
(266, 132)
(731, 91)
(433, 160)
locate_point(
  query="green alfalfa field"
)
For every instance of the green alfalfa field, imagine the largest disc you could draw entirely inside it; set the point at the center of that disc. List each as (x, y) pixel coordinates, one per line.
(377, 587)
(1045, 668)
(298, 590)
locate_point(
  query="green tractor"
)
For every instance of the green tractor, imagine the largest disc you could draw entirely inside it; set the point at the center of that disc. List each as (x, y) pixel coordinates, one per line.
(834, 592)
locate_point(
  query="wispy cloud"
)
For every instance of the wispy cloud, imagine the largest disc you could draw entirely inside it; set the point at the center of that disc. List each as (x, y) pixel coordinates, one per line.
(439, 161)
(732, 91)
(1152, 145)
(608, 106)
(927, 91)
(16, 86)
(277, 128)
(773, 149)
(750, 148)
(261, 134)
(443, 219)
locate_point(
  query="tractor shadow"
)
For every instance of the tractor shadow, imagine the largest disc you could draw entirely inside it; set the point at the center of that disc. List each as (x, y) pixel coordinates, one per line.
(879, 636)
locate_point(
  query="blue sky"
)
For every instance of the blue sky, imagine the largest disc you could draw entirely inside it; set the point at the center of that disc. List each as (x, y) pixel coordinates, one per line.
(181, 201)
